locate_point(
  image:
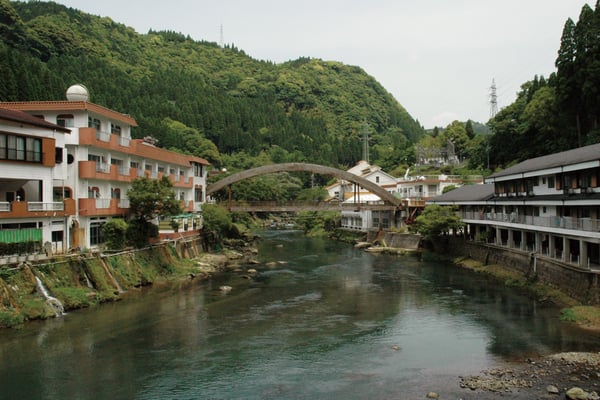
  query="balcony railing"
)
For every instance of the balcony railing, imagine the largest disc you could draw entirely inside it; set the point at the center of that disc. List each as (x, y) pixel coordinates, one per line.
(102, 167)
(103, 136)
(123, 203)
(4, 206)
(102, 203)
(40, 206)
(124, 141)
(572, 223)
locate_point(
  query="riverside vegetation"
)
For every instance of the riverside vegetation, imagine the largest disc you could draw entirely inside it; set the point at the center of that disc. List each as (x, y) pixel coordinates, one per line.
(88, 279)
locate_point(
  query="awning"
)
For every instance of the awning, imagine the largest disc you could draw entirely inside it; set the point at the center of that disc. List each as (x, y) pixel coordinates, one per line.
(20, 235)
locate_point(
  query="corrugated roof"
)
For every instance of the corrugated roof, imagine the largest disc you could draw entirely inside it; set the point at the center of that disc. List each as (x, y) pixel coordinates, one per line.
(574, 156)
(24, 118)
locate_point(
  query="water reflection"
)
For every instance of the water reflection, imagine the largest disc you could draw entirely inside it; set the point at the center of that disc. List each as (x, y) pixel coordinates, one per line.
(322, 320)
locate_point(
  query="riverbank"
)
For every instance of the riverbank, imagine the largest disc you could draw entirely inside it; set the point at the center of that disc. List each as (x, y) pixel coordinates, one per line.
(549, 377)
(585, 316)
(40, 290)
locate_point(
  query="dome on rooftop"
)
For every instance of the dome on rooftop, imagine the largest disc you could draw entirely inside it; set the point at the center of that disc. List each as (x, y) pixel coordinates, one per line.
(78, 92)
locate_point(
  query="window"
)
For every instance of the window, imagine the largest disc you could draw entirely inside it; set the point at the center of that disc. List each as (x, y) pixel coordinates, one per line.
(61, 193)
(58, 155)
(65, 120)
(181, 196)
(115, 193)
(96, 234)
(376, 179)
(551, 182)
(93, 192)
(198, 194)
(134, 164)
(197, 169)
(94, 123)
(116, 129)
(20, 148)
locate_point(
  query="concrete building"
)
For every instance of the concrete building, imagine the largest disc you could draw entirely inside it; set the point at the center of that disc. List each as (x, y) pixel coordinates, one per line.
(98, 162)
(32, 172)
(548, 206)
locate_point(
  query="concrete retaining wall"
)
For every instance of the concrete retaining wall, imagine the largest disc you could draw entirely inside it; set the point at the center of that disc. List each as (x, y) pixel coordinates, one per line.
(582, 285)
(396, 240)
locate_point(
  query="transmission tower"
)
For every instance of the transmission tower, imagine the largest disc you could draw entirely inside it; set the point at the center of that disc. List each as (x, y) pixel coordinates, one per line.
(365, 135)
(221, 40)
(493, 100)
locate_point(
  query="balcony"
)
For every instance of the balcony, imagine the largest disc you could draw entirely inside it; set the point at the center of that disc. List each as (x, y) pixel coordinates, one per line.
(106, 172)
(35, 209)
(103, 206)
(536, 223)
(106, 140)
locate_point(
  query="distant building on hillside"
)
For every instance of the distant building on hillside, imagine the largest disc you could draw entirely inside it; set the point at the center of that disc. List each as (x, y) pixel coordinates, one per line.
(437, 156)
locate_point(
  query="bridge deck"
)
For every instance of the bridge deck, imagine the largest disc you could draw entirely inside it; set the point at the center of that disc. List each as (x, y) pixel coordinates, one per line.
(295, 206)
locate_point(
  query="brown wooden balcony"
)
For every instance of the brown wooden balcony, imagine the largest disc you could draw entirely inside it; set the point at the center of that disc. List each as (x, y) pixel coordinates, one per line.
(36, 209)
(93, 207)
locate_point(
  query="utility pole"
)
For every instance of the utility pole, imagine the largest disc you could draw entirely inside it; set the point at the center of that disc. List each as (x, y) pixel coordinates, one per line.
(493, 100)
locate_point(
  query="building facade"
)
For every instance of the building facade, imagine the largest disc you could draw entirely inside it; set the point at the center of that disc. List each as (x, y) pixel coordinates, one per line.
(99, 160)
(413, 190)
(32, 170)
(549, 206)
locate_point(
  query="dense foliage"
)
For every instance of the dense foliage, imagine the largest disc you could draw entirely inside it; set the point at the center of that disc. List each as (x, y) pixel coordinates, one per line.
(197, 97)
(437, 220)
(558, 113)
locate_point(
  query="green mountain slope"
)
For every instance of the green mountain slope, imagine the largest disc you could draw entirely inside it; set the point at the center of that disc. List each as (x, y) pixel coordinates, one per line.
(189, 93)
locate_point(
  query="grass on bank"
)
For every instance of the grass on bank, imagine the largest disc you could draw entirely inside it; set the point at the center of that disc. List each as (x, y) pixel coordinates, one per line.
(585, 316)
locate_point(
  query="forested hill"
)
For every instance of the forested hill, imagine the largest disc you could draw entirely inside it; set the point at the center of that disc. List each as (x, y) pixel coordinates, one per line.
(187, 93)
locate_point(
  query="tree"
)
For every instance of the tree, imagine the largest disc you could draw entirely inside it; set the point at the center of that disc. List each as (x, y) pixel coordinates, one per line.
(437, 220)
(115, 234)
(150, 198)
(216, 223)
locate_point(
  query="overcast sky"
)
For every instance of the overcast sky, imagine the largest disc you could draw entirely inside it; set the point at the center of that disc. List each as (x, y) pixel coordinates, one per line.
(436, 57)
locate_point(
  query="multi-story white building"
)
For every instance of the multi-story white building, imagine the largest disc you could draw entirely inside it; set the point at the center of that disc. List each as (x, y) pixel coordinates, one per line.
(549, 206)
(100, 160)
(32, 170)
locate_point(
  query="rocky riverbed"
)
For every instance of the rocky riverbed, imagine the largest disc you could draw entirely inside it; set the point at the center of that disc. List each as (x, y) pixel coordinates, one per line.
(560, 376)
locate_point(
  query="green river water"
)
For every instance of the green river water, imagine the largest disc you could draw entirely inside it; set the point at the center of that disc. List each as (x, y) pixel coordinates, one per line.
(326, 322)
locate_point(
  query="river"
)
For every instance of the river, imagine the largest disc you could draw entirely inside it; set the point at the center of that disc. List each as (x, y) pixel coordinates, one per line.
(326, 321)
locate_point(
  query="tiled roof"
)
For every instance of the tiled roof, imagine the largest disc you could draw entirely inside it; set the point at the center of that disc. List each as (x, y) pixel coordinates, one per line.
(156, 153)
(24, 118)
(466, 193)
(66, 105)
(574, 156)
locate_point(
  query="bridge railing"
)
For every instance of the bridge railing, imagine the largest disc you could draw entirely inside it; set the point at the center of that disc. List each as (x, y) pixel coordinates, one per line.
(302, 205)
